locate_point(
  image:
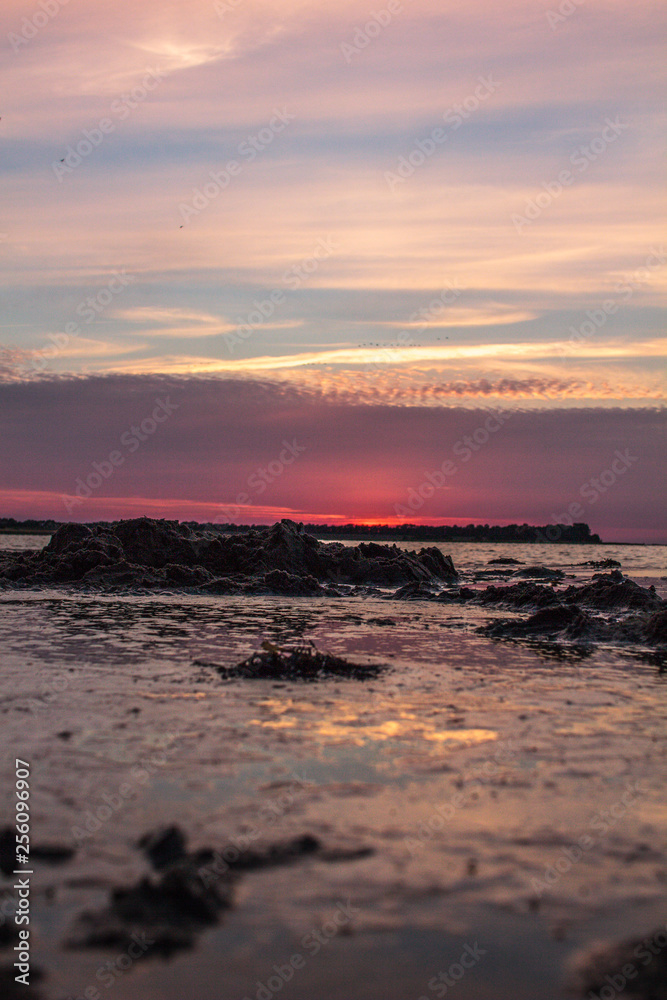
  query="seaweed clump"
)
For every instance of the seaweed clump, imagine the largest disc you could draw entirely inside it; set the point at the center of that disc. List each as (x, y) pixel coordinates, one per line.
(304, 662)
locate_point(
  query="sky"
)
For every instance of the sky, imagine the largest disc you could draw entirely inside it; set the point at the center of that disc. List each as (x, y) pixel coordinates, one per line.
(370, 229)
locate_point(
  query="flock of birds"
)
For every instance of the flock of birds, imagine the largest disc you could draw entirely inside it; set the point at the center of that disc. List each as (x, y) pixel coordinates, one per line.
(394, 346)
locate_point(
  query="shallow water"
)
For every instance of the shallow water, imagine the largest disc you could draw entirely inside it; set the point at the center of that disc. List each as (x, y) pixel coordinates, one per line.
(539, 745)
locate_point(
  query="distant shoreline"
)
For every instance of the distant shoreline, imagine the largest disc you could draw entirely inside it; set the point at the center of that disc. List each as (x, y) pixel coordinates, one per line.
(578, 533)
(26, 531)
(519, 534)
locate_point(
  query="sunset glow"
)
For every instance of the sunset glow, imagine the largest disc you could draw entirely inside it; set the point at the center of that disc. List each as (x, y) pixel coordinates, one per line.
(384, 228)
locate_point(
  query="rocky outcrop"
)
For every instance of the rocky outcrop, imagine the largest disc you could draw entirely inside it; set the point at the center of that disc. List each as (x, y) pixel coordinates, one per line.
(285, 559)
(655, 628)
(519, 595)
(562, 623)
(612, 591)
(609, 609)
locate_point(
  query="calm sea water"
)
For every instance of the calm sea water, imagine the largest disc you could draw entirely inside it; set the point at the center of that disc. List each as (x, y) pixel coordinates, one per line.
(542, 742)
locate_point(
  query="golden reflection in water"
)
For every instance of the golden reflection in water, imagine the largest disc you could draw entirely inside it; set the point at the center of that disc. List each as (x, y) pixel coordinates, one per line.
(343, 724)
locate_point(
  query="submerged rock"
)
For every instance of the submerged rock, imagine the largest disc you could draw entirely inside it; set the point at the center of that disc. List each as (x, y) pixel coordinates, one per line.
(602, 564)
(539, 573)
(414, 592)
(283, 559)
(255, 858)
(491, 574)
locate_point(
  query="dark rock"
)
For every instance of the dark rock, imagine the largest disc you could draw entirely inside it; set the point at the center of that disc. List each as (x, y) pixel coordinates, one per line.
(148, 553)
(458, 595)
(7, 850)
(614, 577)
(504, 562)
(564, 617)
(191, 893)
(224, 586)
(66, 535)
(602, 963)
(163, 846)
(170, 912)
(441, 566)
(178, 575)
(564, 621)
(608, 592)
(280, 582)
(51, 854)
(602, 564)
(8, 932)
(519, 595)
(656, 628)
(11, 990)
(568, 623)
(155, 543)
(611, 591)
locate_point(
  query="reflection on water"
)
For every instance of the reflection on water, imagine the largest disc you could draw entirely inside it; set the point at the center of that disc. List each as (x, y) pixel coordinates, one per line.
(346, 724)
(467, 767)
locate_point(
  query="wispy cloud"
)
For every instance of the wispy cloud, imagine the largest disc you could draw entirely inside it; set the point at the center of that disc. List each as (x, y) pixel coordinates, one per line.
(221, 78)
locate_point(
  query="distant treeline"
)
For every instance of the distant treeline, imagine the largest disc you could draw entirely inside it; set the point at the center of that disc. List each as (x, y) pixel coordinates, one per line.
(10, 524)
(574, 533)
(460, 533)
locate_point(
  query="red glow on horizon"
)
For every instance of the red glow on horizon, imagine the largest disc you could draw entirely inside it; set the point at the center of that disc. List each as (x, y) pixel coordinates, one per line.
(44, 505)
